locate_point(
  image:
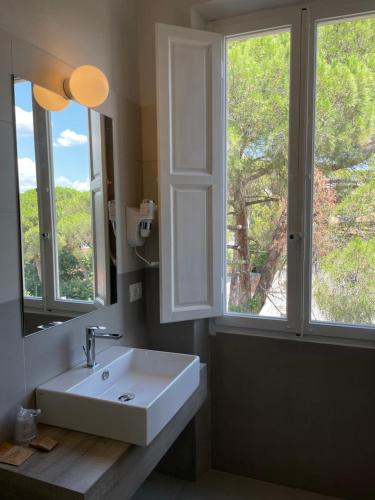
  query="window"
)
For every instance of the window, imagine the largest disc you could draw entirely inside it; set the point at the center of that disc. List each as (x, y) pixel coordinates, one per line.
(296, 204)
(337, 217)
(29, 209)
(72, 204)
(343, 215)
(258, 81)
(55, 204)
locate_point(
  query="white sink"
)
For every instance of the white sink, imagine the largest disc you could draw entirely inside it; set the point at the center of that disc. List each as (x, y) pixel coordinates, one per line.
(87, 399)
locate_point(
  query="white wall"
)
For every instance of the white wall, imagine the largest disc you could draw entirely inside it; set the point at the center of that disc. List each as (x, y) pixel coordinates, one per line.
(43, 40)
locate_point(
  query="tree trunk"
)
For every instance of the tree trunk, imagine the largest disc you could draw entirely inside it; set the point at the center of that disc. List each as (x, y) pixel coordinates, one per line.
(240, 286)
(275, 251)
(38, 266)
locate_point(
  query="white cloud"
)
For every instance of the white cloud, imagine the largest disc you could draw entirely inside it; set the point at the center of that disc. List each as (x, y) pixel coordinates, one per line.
(69, 138)
(27, 177)
(26, 174)
(24, 121)
(83, 185)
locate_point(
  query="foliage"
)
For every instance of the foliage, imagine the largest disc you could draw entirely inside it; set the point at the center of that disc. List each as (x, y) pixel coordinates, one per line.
(74, 243)
(344, 169)
(345, 287)
(76, 276)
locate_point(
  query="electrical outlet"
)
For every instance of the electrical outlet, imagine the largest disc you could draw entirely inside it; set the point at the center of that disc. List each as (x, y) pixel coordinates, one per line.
(135, 291)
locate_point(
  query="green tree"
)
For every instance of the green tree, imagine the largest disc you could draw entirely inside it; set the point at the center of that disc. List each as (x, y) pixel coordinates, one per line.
(74, 243)
(344, 272)
(345, 288)
(258, 111)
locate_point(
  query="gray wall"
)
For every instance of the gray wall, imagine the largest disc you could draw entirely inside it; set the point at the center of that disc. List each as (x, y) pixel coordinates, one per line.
(41, 41)
(190, 455)
(300, 414)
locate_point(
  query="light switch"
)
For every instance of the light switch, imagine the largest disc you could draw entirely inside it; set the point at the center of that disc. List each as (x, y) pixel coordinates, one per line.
(135, 291)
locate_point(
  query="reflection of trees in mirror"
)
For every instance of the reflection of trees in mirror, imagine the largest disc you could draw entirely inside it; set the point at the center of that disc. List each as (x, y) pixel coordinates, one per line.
(74, 242)
(30, 243)
(343, 253)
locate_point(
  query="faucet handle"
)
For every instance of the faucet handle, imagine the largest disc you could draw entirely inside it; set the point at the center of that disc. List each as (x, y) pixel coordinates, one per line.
(94, 328)
(113, 336)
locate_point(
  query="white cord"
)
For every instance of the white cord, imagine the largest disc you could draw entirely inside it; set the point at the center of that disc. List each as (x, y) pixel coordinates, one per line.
(113, 222)
(150, 264)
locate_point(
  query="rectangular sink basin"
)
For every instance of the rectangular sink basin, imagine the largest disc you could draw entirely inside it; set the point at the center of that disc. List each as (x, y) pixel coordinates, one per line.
(130, 396)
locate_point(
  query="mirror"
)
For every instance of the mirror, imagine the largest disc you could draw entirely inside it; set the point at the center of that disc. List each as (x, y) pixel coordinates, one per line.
(67, 210)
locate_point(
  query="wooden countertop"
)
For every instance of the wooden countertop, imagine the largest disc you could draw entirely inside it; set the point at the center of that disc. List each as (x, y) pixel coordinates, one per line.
(89, 467)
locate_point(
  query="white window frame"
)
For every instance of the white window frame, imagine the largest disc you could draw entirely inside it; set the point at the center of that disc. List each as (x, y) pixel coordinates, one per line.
(302, 20)
(271, 21)
(49, 303)
(323, 11)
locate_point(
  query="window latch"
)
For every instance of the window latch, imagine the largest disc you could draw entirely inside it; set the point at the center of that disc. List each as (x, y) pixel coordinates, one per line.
(295, 236)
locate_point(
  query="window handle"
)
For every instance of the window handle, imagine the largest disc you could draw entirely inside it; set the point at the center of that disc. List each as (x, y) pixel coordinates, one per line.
(295, 236)
(46, 236)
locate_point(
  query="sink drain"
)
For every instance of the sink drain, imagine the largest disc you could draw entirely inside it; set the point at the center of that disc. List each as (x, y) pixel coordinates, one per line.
(128, 396)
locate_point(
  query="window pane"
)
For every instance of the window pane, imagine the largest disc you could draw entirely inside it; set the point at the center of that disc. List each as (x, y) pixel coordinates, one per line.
(27, 183)
(343, 249)
(72, 204)
(258, 75)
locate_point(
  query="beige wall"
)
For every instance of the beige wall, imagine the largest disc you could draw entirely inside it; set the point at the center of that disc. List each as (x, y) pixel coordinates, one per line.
(175, 12)
(100, 33)
(80, 32)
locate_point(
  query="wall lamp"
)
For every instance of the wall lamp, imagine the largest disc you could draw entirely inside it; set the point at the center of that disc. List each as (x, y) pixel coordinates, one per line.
(87, 85)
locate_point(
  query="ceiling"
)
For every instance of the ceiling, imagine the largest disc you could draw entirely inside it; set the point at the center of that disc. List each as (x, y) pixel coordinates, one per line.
(219, 9)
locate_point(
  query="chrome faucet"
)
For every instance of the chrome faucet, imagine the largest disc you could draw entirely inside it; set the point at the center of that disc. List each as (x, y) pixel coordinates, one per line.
(91, 335)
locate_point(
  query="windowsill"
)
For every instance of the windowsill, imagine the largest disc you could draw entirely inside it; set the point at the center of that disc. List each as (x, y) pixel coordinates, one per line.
(282, 335)
(63, 311)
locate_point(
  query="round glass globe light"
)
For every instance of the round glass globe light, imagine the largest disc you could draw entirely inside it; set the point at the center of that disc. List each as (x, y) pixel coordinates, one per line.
(88, 86)
(49, 100)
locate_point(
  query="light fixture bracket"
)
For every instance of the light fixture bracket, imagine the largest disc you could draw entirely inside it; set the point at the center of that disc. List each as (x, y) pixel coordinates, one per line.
(66, 88)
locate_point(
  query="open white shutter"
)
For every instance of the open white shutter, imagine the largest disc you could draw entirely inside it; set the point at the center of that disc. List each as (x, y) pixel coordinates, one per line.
(99, 203)
(191, 172)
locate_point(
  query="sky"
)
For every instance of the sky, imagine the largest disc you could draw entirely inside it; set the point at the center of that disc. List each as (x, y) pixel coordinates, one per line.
(70, 147)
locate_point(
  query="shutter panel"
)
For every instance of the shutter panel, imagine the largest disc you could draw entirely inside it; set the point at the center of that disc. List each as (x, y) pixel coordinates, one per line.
(191, 172)
(99, 210)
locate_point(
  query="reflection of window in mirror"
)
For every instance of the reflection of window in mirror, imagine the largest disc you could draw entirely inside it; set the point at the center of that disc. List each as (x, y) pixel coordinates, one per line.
(31, 253)
(64, 230)
(71, 204)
